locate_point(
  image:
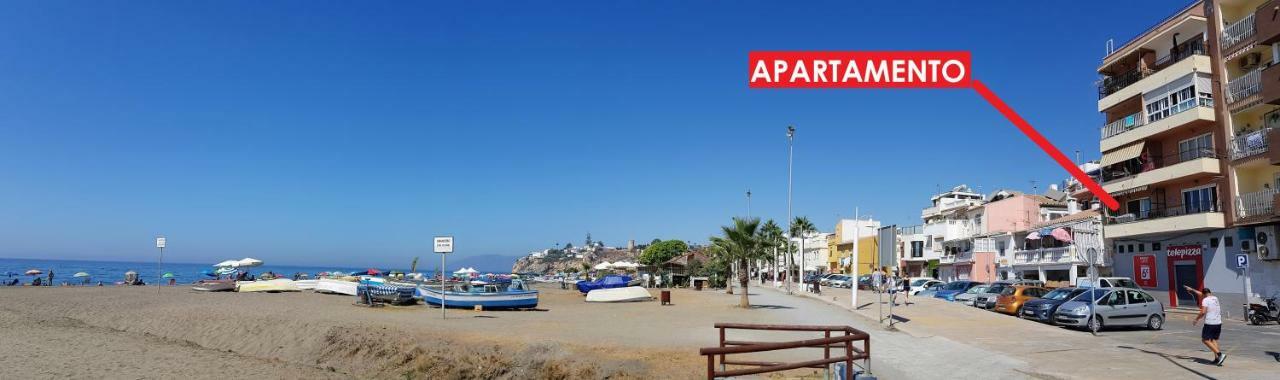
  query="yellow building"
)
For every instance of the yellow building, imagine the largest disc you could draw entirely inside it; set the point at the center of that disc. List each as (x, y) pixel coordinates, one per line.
(868, 247)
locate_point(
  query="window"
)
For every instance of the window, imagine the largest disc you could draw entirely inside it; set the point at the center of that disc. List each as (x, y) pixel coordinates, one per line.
(1175, 102)
(1201, 199)
(1142, 247)
(1155, 247)
(1227, 240)
(1114, 299)
(1133, 297)
(1140, 208)
(1131, 248)
(1120, 248)
(1195, 147)
(1213, 242)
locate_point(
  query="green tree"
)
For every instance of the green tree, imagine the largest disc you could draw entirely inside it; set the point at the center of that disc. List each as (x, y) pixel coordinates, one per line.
(741, 244)
(772, 239)
(662, 251)
(800, 227)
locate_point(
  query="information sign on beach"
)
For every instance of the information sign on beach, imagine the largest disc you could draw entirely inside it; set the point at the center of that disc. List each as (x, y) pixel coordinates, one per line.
(159, 242)
(444, 244)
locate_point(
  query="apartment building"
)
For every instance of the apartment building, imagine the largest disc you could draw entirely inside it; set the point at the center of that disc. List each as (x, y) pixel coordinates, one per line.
(950, 217)
(1187, 119)
(840, 245)
(913, 259)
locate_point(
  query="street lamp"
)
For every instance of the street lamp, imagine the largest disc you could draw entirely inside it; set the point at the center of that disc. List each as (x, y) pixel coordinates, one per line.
(791, 136)
(748, 203)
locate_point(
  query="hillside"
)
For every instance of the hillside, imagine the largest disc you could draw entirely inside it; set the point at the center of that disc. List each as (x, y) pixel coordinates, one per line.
(553, 263)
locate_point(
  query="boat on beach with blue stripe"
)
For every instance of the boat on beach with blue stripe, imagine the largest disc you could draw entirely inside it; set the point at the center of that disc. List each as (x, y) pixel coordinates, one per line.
(513, 295)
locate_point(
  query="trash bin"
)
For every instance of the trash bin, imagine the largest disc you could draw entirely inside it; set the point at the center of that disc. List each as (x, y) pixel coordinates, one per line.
(697, 285)
(665, 297)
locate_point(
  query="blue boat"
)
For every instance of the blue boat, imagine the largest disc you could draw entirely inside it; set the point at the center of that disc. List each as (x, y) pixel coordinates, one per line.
(486, 295)
(608, 282)
(397, 294)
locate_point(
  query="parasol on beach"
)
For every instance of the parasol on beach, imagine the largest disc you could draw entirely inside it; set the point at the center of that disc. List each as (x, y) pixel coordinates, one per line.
(248, 262)
(373, 272)
(80, 274)
(228, 263)
(167, 275)
(227, 270)
(33, 272)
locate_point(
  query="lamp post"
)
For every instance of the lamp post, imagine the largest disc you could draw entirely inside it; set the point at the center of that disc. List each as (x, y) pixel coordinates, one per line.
(791, 136)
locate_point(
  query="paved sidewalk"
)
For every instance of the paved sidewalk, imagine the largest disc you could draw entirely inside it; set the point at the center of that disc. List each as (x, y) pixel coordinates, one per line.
(1050, 351)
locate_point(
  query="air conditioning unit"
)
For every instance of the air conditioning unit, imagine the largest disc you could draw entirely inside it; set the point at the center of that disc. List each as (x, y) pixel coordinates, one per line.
(1250, 61)
(1266, 242)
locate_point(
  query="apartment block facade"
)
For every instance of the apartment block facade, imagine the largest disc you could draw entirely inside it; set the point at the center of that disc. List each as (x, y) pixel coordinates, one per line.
(1184, 142)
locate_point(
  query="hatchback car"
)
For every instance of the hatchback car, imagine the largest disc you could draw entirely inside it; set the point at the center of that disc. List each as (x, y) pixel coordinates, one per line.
(839, 281)
(1042, 309)
(1115, 307)
(955, 288)
(967, 297)
(919, 284)
(1010, 300)
(987, 299)
(931, 290)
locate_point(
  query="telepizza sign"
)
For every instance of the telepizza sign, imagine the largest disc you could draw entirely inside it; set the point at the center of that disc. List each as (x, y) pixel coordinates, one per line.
(1180, 251)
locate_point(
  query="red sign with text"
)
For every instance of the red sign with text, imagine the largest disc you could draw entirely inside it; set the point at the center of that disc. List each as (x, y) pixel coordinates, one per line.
(1144, 270)
(859, 69)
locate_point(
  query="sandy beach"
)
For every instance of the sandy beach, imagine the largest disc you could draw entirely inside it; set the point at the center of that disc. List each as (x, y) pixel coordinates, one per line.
(139, 332)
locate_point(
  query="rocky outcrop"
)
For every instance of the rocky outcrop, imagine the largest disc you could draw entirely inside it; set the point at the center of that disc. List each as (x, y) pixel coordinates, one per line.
(551, 264)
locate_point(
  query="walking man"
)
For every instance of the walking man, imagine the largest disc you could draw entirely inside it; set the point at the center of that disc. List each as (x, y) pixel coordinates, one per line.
(1211, 313)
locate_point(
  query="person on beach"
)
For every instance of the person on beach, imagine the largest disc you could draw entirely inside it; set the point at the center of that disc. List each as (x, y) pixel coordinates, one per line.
(50, 277)
(1211, 313)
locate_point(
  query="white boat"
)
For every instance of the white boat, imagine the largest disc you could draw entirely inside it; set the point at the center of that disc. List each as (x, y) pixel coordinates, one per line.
(268, 286)
(335, 286)
(627, 294)
(305, 284)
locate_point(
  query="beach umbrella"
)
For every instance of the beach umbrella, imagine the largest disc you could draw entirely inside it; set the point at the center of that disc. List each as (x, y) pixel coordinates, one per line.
(228, 263)
(1061, 234)
(33, 272)
(461, 271)
(227, 270)
(81, 274)
(373, 272)
(167, 275)
(209, 273)
(248, 262)
(1033, 235)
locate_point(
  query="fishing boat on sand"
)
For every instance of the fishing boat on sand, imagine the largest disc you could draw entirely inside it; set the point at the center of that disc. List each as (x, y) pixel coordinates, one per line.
(627, 294)
(215, 285)
(513, 295)
(388, 292)
(305, 284)
(608, 282)
(267, 286)
(335, 286)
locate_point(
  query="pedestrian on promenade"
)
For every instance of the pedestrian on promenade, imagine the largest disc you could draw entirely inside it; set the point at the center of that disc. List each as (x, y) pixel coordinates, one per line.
(877, 279)
(1211, 313)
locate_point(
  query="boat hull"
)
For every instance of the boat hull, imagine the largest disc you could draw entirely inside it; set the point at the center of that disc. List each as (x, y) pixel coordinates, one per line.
(269, 286)
(305, 284)
(627, 294)
(214, 286)
(502, 300)
(326, 285)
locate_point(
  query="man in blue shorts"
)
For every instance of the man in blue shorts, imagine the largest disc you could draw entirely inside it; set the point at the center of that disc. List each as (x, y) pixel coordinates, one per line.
(1211, 313)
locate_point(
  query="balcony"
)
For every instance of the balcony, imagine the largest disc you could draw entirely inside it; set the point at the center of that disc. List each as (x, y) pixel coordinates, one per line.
(1199, 217)
(1256, 205)
(1159, 170)
(1138, 126)
(1250, 144)
(1266, 25)
(1237, 34)
(1121, 86)
(1058, 255)
(1245, 91)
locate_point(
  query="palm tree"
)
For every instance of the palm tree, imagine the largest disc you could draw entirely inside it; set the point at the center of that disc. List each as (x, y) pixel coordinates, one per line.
(801, 226)
(719, 250)
(742, 243)
(771, 234)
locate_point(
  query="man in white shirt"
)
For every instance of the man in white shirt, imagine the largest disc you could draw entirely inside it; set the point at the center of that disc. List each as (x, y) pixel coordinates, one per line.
(1211, 313)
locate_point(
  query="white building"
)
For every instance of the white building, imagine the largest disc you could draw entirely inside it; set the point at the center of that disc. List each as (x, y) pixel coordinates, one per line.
(815, 251)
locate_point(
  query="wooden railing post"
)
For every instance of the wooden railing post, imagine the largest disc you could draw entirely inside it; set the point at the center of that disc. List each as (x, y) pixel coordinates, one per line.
(848, 362)
(711, 367)
(722, 367)
(826, 352)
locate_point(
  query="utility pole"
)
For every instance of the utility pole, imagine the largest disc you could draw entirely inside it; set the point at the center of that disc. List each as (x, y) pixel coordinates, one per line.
(791, 134)
(853, 265)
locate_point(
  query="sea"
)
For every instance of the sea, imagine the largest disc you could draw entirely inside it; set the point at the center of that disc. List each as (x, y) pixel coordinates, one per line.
(110, 272)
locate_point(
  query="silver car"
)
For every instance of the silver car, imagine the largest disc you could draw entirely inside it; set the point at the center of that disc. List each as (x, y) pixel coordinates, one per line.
(987, 299)
(1116, 307)
(967, 297)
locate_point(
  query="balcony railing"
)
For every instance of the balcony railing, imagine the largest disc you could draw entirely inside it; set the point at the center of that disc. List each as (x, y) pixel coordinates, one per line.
(1055, 255)
(911, 230)
(1237, 32)
(1115, 83)
(1258, 203)
(1242, 87)
(1249, 144)
(1146, 164)
(1123, 125)
(1158, 212)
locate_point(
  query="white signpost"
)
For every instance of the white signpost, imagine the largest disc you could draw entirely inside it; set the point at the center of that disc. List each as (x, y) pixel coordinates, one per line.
(160, 242)
(1242, 263)
(444, 246)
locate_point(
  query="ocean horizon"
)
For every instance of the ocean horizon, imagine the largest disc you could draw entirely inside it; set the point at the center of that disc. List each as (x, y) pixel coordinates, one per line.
(109, 272)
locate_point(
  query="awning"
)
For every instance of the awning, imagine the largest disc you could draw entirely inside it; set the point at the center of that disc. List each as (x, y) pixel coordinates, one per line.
(1125, 153)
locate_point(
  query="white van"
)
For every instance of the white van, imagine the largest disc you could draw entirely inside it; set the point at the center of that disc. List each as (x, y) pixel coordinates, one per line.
(1108, 282)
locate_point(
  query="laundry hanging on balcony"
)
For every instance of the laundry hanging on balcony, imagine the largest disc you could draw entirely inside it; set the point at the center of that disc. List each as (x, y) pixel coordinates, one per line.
(1035, 235)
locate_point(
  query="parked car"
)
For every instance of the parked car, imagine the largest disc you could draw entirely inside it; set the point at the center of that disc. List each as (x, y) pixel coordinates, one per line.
(955, 288)
(967, 297)
(825, 280)
(987, 299)
(840, 281)
(864, 282)
(1116, 307)
(931, 290)
(1042, 309)
(1010, 301)
(919, 284)
(1108, 282)
(1021, 281)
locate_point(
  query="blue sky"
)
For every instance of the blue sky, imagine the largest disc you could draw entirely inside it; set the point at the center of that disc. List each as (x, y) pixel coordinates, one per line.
(332, 133)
